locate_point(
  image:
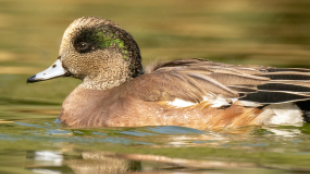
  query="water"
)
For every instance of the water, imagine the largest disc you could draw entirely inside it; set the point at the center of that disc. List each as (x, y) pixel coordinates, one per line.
(32, 140)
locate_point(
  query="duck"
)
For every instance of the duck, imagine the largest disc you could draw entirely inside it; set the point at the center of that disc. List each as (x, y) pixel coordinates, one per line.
(116, 91)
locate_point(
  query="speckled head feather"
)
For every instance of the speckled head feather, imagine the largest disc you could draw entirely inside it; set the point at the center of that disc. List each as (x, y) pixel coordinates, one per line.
(100, 53)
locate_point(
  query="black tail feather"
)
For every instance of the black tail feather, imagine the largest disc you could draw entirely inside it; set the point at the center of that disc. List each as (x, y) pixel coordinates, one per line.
(282, 87)
(264, 97)
(305, 107)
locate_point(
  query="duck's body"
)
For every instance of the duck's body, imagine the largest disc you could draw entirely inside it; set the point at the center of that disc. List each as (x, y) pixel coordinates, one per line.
(82, 108)
(117, 92)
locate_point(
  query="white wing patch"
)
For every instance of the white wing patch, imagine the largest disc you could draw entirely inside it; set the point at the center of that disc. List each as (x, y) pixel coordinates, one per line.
(248, 103)
(180, 103)
(217, 101)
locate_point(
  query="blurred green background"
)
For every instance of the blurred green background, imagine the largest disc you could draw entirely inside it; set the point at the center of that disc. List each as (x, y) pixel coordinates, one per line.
(265, 32)
(273, 33)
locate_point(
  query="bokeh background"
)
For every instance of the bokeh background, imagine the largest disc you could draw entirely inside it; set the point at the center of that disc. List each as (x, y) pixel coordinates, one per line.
(264, 32)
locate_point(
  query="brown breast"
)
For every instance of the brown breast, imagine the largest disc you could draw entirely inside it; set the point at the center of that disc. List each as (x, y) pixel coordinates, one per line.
(113, 108)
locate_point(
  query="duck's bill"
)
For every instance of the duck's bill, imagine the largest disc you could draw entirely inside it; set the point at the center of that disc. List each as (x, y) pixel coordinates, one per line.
(54, 71)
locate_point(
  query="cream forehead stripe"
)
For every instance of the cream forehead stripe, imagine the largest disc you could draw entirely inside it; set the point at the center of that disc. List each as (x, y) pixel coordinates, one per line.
(66, 37)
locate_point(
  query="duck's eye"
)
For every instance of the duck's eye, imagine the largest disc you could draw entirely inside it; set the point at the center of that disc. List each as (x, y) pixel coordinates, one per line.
(82, 47)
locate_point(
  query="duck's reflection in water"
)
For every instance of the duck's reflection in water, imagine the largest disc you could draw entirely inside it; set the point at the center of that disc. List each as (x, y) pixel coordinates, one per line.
(73, 158)
(102, 162)
(108, 162)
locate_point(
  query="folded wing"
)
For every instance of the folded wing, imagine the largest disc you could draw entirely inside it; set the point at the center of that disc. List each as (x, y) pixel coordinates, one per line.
(197, 80)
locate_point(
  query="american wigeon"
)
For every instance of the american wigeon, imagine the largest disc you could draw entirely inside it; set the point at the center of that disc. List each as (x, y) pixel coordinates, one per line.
(117, 92)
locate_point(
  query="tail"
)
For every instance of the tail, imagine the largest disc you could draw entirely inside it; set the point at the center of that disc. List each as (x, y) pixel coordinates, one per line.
(305, 108)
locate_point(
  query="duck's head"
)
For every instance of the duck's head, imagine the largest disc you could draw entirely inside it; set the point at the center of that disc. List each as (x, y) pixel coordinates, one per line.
(96, 51)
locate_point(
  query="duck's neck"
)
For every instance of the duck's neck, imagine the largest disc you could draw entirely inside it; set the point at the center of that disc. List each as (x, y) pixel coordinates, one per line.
(115, 78)
(108, 79)
(113, 70)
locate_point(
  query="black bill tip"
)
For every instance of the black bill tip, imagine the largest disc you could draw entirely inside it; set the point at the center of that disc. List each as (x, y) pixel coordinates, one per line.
(32, 79)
